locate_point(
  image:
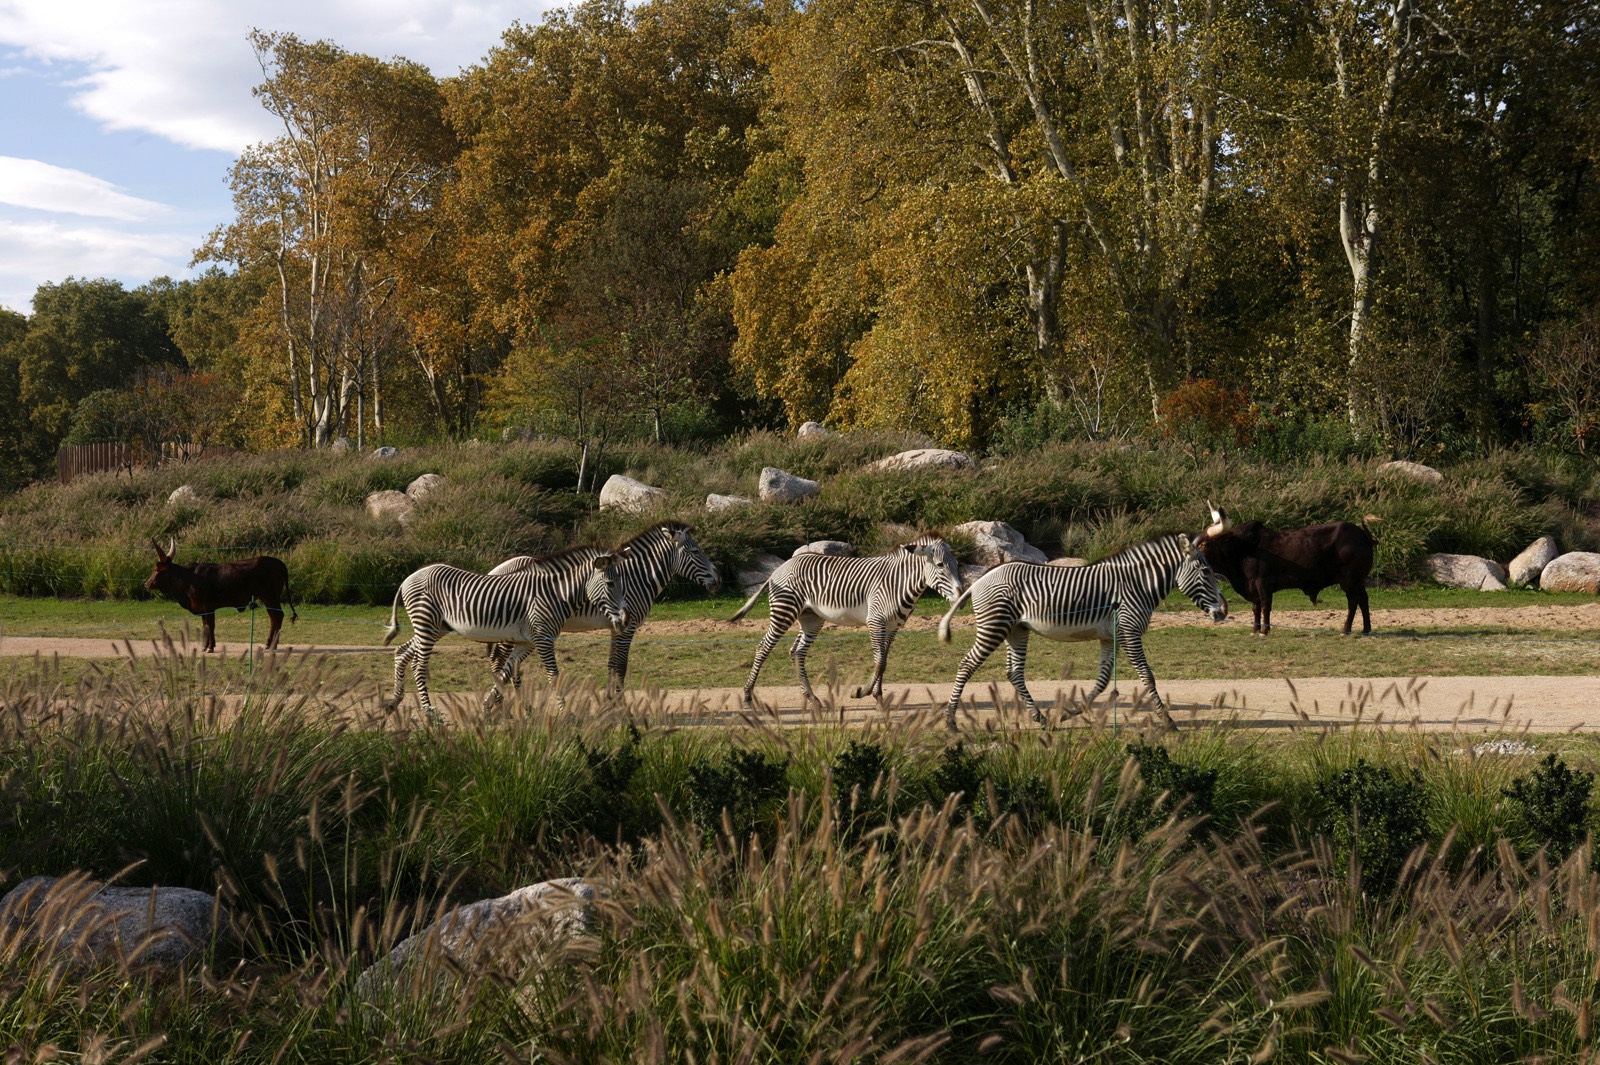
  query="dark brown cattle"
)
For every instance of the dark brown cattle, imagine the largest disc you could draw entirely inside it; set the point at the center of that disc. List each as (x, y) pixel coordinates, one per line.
(204, 588)
(1259, 561)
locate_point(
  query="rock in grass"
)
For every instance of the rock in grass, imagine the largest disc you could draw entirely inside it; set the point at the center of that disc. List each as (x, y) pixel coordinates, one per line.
(96, 925)
(424, 484)
(813, 431)
(826, 547)
(756, 575)
(1414, 470)
(1575, 571)
(385, 453)
(1526, 567)
(994, 542)
(389, 504)
(184, 494)
(781, 486)
(1467, 571)
(715, 502)
(501, 939)
(626, 494)
(925, 458)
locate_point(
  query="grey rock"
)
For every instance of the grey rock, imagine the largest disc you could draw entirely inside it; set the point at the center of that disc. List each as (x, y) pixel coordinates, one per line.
(341, 444)
(995, 541)
(826, 547)
(94, 925)
(970, 572)
(813, 431)
(626, 494)
(1415, 470)
(184, 494)
(1068, 560)
(1575, 571)
(780, 486)
(499, 939)
(1526, 567)
(756, 575)
(925, 458)
(385, 453)
(1467, 571)
(424, 484)
(716, 503)
(389, 504)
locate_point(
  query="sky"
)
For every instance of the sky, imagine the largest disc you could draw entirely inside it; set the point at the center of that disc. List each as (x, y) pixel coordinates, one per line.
(119, 118)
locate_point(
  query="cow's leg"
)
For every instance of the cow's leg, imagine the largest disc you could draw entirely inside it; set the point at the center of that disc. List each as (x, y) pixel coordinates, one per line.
(810, 628)
(781, 612)
(275, 616)
(1017, 668)
(1133, 647)
(1265, 595)
(1356, 596)
(988, 636)
(208, 623)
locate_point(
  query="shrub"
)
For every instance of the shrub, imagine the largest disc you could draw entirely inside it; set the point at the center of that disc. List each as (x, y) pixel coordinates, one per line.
(1553, 802)
(745, 784)
(1373, 815)
(1171, 786)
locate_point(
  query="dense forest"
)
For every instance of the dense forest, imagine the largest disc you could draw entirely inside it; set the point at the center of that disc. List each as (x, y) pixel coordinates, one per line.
(1325, 225)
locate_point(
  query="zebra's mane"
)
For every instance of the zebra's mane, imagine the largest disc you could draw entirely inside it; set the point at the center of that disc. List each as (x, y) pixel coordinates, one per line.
(567, 552)
(669, 526)
(921, 538)
(1123, 553)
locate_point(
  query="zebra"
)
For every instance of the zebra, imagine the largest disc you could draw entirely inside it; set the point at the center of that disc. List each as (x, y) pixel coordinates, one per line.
(1110, 600)
(878, 592)
(525, 609)
(649, 561)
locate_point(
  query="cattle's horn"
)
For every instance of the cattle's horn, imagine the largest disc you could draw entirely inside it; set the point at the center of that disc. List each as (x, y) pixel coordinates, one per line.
(1219, 520)
(172, 547)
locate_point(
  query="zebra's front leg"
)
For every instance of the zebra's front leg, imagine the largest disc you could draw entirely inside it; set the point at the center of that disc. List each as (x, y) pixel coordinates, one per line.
(882, 640)
(780, 615)
(617, 660)
(1133, 644)
(987, 638)
(810, 627)
(546, 647)
(1017, 669)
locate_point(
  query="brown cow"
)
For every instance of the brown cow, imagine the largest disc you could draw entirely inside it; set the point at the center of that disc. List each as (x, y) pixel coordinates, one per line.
(203, 588)
(1259, 561)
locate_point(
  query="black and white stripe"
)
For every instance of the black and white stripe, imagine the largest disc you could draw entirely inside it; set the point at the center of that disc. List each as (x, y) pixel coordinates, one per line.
(525, 609)
(646, 565)
(878, 592)
(1110, 601)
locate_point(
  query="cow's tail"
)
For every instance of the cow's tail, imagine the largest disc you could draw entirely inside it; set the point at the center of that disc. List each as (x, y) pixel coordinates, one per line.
(944, 622)
(748, 603)
(294, 615)
(1367, 523)
(394, 624)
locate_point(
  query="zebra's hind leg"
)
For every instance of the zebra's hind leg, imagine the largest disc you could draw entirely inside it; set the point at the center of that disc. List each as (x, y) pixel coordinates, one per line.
(507, 667)
(1017, 669)
(1108, 658)
(402, 659)
(810, 627)
(781, 614)
(882, 640)
(988, 637)
(419, 670)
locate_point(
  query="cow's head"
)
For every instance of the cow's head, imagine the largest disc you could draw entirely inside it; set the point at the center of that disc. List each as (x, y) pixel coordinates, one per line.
(168, 577)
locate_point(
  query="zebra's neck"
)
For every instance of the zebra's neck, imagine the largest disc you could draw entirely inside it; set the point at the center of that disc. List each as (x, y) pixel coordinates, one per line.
(1152, 565)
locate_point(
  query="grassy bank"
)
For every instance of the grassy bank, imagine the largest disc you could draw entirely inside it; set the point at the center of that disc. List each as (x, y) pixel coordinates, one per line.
(91, 538)
(882, 895)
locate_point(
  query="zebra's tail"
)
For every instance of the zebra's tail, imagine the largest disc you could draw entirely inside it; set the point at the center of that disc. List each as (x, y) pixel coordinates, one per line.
(944, 622)
(394, 625)
(748, 603)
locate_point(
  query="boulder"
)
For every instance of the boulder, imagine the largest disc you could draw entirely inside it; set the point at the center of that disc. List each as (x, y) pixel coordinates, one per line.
(341, 444)
(813, 431)
(1415, 470)
(1526, 567)
(995, 541)
(425, 484)
(925, 458)
(757, 573)
(1575, 571)
(498, 939)
(779, 486)
(1467, 571)
(385, 453)
(715, 502)
(97, 925)
(826, 547)
(1069, 561)
(626, 494)
(183, 494)
(389, 504)
(970, 572)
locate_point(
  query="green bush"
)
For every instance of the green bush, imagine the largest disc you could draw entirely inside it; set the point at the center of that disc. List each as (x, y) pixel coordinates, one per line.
(746, 785)
(1375, 816)
(1173, 786)
(1553, 803)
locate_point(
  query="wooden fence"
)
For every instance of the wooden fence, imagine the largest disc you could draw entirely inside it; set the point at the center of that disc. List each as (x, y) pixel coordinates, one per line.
(75, 460)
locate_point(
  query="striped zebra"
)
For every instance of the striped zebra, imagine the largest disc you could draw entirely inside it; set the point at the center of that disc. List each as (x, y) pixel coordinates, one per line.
(649, 561)
(878, 592)
(1110, 601)
(525, 609)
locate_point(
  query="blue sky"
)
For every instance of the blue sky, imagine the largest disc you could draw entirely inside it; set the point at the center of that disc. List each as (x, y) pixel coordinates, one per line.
(119, 120)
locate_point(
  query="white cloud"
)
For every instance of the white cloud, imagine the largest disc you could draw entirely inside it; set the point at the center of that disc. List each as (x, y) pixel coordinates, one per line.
(33, 250)
(40, 186)
(183, 70)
